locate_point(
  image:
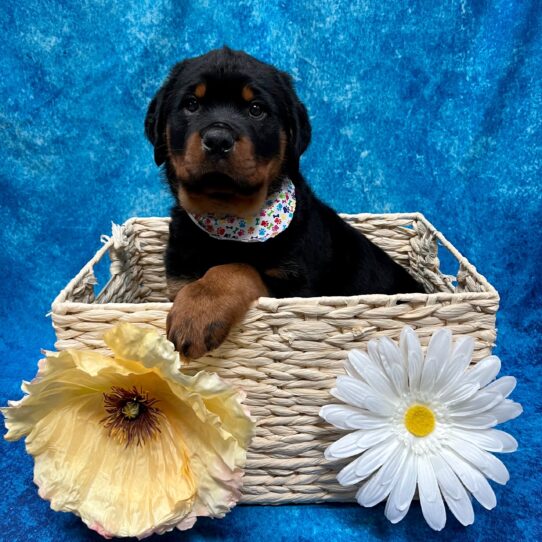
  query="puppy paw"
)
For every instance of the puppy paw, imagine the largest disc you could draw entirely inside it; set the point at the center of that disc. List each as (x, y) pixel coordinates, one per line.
(199, 320)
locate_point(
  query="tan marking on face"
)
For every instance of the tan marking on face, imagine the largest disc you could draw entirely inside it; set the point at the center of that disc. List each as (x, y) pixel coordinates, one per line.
(200, 90)
(247, 93)
(184, 163)
(271, 169)
(237, 205)
(241, 164)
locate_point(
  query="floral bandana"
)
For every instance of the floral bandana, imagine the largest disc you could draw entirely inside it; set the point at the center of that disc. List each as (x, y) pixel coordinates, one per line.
(273, 218)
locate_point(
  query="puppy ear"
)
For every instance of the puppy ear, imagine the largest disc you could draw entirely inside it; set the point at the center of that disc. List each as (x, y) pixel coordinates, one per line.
(299, 127)
(155, 126)
(155, 121)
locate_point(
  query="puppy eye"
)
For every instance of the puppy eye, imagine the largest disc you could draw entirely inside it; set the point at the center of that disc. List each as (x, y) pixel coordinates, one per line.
(256, 111)
(191, 104)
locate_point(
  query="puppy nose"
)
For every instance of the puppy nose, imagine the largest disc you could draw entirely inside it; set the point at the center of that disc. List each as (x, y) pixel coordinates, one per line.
(217, 140)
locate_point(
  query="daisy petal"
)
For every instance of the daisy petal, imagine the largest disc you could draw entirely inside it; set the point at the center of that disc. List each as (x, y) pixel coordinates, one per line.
(504, 386)
(454, 493)
(366, 463)
(479, 421)
(462, 352)
(436, 357)
(487, 463)
(362, 359)
(472, 479)
(507, 410)
(491, 440)
(349, 417)
(374, 376)
(412, 353)
(459, 360)
(485, 370)
(446, 478)
(460, 394)
(356, 442)
(377, 488)
(481, 402)
(372, 350)
(357, 393)
(392, 361)
(430, 497)
(403, 491)
(378, 406)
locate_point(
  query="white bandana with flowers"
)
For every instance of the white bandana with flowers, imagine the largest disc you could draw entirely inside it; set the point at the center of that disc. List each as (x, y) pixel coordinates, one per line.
(273, 218)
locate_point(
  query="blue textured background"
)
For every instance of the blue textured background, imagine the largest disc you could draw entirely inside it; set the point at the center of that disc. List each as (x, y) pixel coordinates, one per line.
(414, 106)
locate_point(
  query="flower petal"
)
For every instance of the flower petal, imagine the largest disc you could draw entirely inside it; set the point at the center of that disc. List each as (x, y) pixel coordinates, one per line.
(67, 375)
(402, 492)
(374, 376)
(507, 410)
(430, 497)
(485, 370)
(412, 353)
(487, 463)
(355, 361)
(460, 359)
(112, 480)
(480, 402)
(454, 493)
(357, 393)
(478, 421)
(472, 479)
(437, 356)
(503, 386)
(349, 417)
(356, 442)
(446, 479)
(459, 394)
(372, 351)
(491, 440)
(367, 463)
(135, 343)
(392, 362)
(380, 484)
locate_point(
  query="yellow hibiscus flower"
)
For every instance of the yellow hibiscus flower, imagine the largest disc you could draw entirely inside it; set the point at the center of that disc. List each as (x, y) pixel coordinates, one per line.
(129, 443)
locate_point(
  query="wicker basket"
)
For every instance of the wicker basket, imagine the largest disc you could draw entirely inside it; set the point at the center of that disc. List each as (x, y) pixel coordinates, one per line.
(287, 352)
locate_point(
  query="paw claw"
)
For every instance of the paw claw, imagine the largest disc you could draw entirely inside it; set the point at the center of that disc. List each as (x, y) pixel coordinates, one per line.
(215, 333)
(185, 348)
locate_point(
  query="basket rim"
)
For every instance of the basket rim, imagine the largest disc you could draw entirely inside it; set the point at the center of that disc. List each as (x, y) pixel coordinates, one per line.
(275, 303)
(489, 291)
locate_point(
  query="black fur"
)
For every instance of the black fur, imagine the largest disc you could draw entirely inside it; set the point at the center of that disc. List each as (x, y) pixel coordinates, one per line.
(319, 254)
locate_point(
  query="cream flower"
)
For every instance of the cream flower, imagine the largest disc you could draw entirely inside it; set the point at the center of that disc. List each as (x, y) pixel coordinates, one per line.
(129, 443)
(422, 422)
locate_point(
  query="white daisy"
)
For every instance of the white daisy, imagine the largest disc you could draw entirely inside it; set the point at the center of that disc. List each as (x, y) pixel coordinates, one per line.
(422, 422)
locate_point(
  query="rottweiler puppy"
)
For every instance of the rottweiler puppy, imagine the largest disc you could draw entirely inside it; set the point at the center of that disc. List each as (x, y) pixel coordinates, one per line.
(229, 131)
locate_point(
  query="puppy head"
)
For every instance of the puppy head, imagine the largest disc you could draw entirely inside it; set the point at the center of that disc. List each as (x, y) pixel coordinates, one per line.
(227, 126)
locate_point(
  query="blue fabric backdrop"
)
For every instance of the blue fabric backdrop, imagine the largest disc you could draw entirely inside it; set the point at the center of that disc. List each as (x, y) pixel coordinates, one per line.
(427, 106)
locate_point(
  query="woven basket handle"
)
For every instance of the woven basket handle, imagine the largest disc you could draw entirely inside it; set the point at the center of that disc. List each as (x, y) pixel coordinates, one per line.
(81, 289)
(117, 244)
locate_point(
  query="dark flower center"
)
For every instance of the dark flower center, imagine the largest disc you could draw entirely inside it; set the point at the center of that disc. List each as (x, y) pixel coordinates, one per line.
(131, 415)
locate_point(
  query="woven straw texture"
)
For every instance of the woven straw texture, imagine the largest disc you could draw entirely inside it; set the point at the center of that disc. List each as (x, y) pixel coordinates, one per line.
(286, 353)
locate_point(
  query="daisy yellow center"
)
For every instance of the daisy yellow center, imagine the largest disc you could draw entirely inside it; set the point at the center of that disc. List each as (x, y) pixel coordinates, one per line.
(420, 420)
